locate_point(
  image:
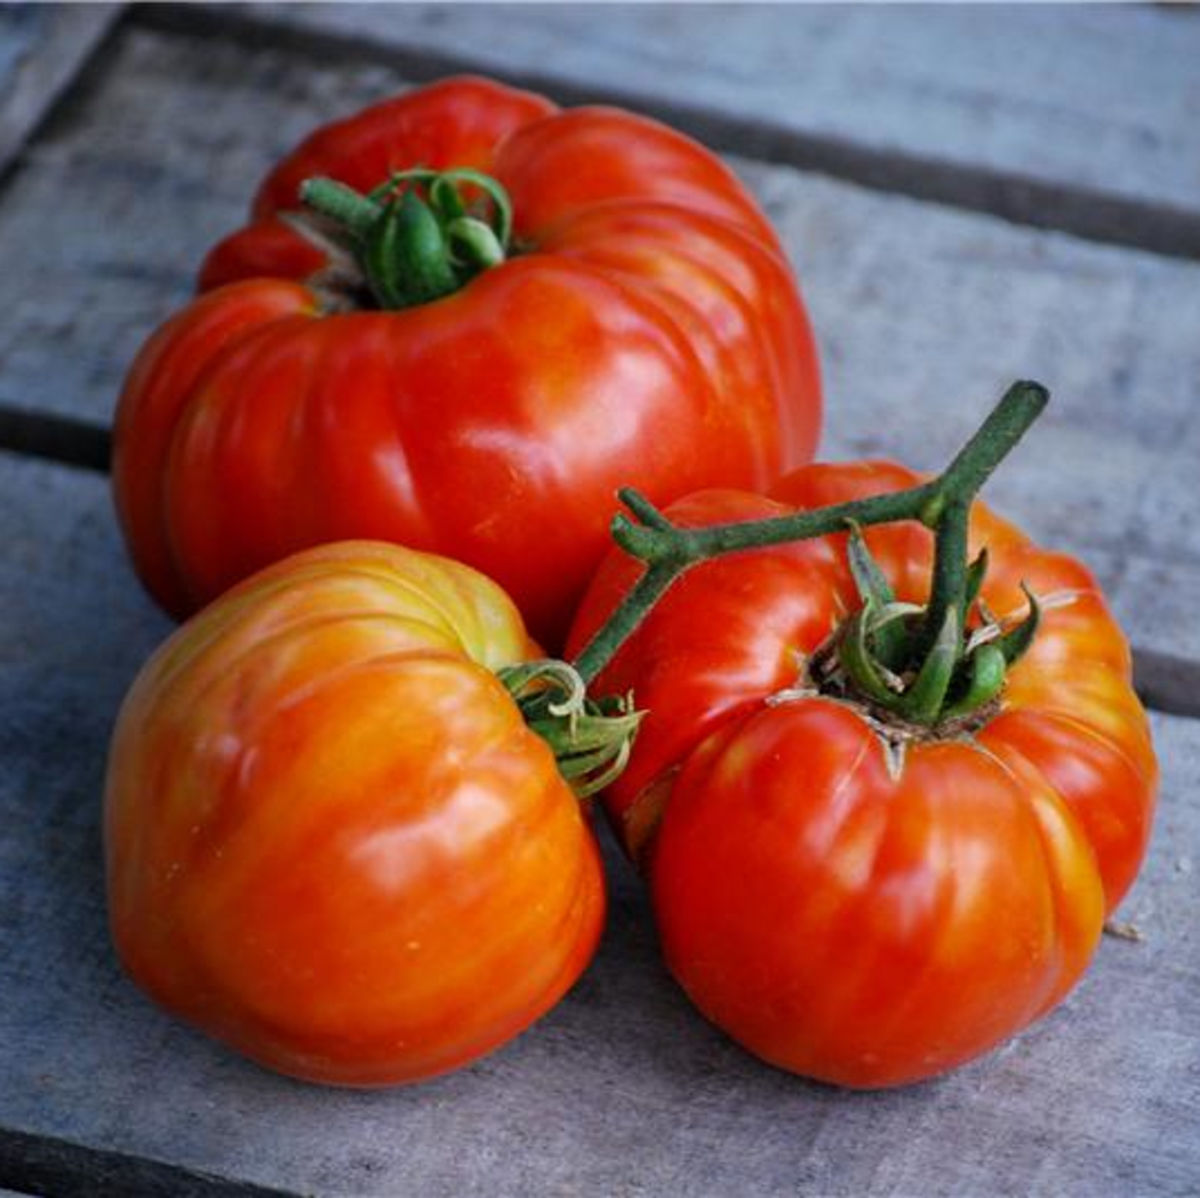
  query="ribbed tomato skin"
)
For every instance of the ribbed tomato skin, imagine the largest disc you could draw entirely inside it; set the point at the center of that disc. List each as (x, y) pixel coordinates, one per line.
(647, 332)
(854, 915)
(331, 840)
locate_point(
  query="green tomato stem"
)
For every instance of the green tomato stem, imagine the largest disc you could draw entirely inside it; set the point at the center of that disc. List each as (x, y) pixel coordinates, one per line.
(948, 592)
(343, 205)
(943, 504)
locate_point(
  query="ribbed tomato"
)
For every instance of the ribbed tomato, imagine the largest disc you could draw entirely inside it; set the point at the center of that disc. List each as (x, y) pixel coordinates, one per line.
(636, 324)
(854, 899)
(332, 840)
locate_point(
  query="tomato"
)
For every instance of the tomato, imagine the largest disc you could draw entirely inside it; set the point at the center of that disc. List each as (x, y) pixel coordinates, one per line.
(643, 328)
(332, 841)
(854, 900)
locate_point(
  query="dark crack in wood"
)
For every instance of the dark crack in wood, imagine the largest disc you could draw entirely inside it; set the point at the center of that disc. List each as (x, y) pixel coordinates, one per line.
(59, 438)
(36, 1164)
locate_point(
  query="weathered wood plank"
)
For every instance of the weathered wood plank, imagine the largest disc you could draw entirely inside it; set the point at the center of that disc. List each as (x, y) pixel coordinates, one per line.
(1055, 116)
(622, 1089)
(42, 49)
(923, 313)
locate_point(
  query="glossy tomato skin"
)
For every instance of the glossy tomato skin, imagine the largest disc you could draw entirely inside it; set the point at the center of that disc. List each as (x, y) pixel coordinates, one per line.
(845, 912)
(331, 840)
(647, 331)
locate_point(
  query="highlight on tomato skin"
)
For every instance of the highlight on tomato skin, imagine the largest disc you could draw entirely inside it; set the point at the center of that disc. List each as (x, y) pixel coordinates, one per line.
(858, 901)
(610, 306)
(331, 840)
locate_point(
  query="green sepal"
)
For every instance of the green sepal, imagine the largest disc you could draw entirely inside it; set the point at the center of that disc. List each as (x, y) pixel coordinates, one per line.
(444, 196)
(591, 749)
(870, 580)
(473, 244)
(890, 634)
(888, 638)
(986, 680)
(406, 256)
(922, 701)
(855, 658)
(502, 209)
(544, 686)
(976, 572)
(1016, 642)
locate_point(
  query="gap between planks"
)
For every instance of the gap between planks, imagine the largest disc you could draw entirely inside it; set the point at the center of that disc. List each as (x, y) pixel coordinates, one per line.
(1165, 683)
(38, 1164)
(1081, 211)
(64, 439)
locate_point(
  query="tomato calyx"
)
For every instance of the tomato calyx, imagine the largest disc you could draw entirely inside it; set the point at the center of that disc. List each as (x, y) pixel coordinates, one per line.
(591, 739)
(417, 237)
(944, 676)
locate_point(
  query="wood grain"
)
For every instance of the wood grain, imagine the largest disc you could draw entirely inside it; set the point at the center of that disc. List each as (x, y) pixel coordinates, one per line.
(1062, 117)
(42, 50)
(623, 1089)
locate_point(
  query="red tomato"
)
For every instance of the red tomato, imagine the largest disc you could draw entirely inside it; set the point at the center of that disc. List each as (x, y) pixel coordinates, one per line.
(331, 839)
(849, 902)
(646, 329)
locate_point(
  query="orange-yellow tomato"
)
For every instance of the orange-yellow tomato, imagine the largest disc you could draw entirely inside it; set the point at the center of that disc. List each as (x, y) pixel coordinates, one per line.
(332, 841)
(846, 908)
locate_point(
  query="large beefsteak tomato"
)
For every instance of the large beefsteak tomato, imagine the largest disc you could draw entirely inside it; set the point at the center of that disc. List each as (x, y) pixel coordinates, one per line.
(853, 899)
(332, 840)
(644, 328)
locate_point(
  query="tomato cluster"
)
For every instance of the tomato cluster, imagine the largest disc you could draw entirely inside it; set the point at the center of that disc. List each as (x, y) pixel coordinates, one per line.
(882, 819)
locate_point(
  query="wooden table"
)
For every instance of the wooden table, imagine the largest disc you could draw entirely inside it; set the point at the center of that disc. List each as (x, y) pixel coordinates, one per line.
(968, 195)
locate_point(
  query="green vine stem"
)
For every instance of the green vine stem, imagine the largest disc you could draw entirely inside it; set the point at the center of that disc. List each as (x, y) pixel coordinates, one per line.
(936, 682)
(415, 236)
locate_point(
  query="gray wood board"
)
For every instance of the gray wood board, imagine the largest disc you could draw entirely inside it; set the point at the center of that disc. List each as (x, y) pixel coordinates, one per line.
(1055, 115)
(923, 313)
(42, 49)
(621, 1090)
